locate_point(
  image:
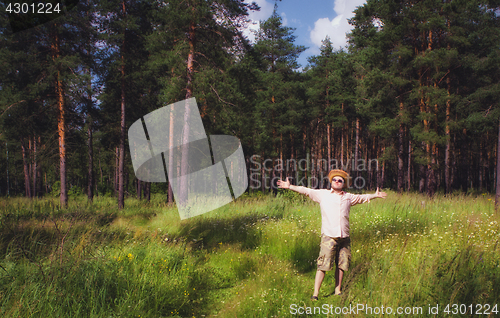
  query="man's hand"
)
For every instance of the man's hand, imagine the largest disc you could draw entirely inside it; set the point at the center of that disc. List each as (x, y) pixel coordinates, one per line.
(379, 194)
(284, 184)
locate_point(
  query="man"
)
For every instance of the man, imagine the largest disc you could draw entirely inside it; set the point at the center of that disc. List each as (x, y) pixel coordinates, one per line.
(335, 205)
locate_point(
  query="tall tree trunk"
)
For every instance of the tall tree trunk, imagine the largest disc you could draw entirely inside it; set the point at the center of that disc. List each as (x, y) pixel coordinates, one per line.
(292, 157)
(366, 165)
(7, 163)
(39, 171)
(61, 120)
(139, 189)
(383, 172)
(121, 164)
(431, 173)
(274, 174)
(409, 166)
(30, 166)
(35, 169)
(281, 156)
(321, 154)
(171, 156)
(431, 148)
(147, 191)
(356, 151)
(328, 130)
(378, 151)
(304, 151)
(481, 166)
(425, 144)
(27, 178)
(423, 176)
(488, 164)
(329, 147)
(262, 174)
(342, 131)
(453, 168)
(187, 115)
(317, 156)
(447, 178)
(348, 151)
(497, 191)
(400, 153)
(90, 170)
(117, 164)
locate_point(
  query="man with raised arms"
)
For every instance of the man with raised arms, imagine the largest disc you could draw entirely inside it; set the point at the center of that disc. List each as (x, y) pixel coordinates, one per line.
(335, 206)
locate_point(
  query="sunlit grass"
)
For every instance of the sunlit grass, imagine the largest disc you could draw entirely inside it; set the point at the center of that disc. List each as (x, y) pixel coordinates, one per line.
(252, 258)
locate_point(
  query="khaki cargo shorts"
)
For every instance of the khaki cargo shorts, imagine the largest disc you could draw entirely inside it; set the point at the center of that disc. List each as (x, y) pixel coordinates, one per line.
(334, 249)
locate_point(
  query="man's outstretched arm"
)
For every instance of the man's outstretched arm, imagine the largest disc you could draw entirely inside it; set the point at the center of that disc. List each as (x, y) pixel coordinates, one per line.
(285, 184)
(379, 194)
(312, 193)
(362, 198)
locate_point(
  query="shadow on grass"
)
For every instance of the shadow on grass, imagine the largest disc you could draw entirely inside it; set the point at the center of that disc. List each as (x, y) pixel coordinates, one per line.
(40, 234)
(244, 232)
(209, 233)
(304, 254)
(108, 289)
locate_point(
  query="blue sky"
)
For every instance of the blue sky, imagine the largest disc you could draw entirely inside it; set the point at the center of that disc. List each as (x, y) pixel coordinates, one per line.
(313, 20)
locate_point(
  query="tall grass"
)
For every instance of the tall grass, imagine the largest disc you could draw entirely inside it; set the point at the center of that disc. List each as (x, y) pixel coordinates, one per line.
(252, 258)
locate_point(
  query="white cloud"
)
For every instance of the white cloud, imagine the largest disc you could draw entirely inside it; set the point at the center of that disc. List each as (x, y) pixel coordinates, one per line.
(284, 20)
(336, 28)
(266, 9)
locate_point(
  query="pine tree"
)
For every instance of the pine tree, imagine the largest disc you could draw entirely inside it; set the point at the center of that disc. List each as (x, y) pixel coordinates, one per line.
(193, 45)
(279, 106)
(127, 25)
(424, 53)
(45, 64)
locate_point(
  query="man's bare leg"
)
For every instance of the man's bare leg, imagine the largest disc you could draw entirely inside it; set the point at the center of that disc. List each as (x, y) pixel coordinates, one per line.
(317, 282)
(339, 274)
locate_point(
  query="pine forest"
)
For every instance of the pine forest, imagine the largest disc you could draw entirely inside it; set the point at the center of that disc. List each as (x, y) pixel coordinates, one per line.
(411, 104)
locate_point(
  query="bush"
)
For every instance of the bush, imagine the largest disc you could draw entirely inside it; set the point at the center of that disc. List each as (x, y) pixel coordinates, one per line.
(56, 189)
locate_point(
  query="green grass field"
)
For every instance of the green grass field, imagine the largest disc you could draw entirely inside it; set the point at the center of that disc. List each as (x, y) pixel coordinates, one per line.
(252, 258)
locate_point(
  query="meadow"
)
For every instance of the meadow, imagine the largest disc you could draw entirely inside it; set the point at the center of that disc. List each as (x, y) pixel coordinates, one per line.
(254, 257)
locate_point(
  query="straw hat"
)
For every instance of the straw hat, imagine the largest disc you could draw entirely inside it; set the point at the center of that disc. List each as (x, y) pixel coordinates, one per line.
(340, 173)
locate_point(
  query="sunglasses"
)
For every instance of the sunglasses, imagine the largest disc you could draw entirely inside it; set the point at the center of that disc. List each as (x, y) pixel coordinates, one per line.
(338, 180)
